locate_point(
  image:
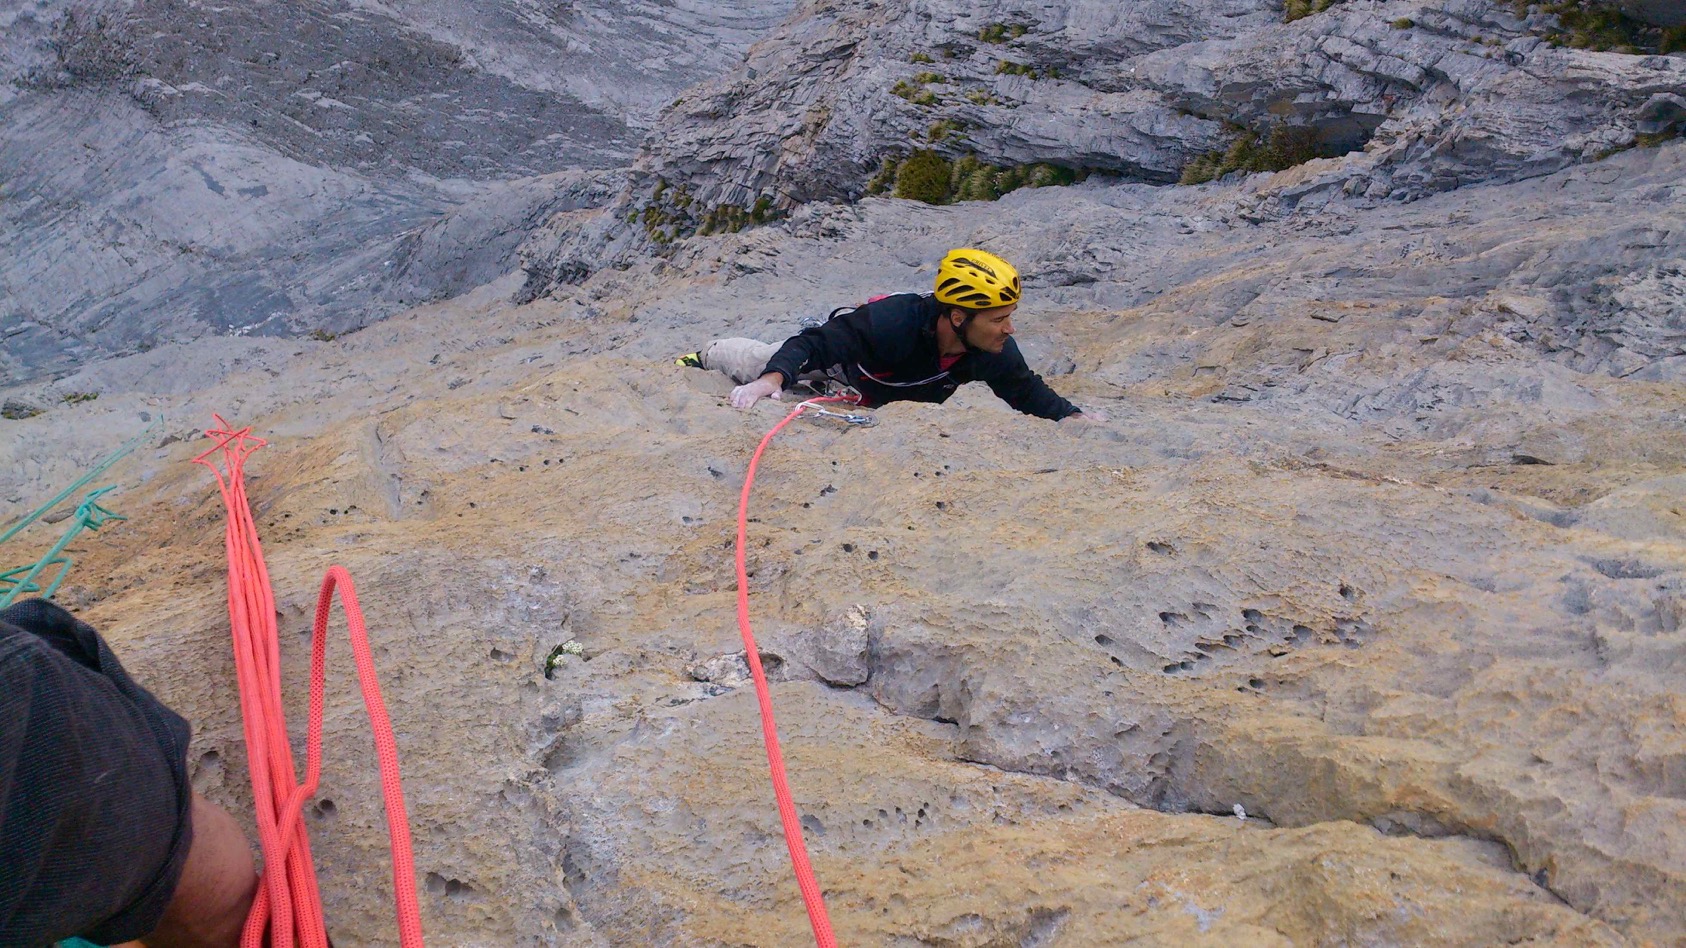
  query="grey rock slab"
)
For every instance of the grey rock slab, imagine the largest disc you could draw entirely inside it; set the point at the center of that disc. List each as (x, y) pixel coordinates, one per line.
(174, 169)
(836, 650)
(111, 216)
(1139, 92)
(1424, 580)
(502, 90)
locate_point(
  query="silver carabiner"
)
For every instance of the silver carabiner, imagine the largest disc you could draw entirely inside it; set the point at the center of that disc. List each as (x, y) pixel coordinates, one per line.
(856, 419)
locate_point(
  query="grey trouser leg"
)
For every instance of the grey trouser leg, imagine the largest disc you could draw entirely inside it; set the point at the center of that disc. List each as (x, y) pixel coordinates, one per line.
(742, 359)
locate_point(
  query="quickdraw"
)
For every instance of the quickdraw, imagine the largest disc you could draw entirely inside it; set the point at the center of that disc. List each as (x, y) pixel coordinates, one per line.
(854, 418)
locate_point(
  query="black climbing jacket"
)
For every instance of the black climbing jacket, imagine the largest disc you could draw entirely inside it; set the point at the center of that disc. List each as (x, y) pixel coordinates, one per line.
(887, 349)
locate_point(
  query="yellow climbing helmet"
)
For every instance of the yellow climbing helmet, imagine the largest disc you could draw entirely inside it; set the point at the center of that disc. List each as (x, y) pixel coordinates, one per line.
(976, 279)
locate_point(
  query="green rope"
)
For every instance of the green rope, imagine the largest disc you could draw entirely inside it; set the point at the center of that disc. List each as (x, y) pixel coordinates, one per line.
(90, 516)
(81, 482)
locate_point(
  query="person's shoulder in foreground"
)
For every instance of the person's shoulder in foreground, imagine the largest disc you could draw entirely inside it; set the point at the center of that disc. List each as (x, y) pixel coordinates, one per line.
(101, 835)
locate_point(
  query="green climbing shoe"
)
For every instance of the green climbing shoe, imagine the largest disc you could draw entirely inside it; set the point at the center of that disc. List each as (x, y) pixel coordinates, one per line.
(690, 360)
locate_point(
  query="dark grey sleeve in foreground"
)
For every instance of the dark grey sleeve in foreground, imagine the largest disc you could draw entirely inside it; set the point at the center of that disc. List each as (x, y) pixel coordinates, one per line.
(94, 798)
(840, 341)
(1013, 381)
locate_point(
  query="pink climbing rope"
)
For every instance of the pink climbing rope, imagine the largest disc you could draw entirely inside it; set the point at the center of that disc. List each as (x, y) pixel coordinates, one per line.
(288, 906)
(810, 886)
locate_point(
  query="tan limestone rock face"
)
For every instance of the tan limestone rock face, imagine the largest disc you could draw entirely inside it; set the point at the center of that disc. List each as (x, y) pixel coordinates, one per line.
(1405, 586)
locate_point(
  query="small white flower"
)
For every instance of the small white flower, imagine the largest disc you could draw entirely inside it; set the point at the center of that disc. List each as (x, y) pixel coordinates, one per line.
(560, 655)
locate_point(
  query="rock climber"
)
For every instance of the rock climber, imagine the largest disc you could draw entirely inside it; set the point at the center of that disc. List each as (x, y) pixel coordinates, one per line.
(905, 347)
(102, 837)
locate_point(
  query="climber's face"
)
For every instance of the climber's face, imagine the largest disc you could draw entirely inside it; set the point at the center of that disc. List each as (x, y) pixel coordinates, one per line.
(988, 329)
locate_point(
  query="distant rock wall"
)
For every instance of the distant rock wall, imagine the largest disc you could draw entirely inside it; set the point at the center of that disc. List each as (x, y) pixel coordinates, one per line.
(1443, 94)
(174, 168)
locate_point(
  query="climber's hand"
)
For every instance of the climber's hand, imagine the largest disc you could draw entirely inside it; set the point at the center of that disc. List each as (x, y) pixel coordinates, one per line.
(770, 385)
(1088, 415)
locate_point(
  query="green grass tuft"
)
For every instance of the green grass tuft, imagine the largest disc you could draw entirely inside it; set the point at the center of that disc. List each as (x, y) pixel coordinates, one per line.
(1297, 9)
(923, 176)
(1284, 147)
(1600, 25)
(929, 177)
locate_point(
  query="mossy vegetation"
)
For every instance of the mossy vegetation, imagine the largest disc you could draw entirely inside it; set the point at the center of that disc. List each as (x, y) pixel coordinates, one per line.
(1008, 68)
(923, 176)
(914, 92)
(660, 221)
(941, 129)
(1601, 25)
(1404, 23)
(885, 177)
(917, 88)
(1282, 147)
(920, 58)
(1298, 9)
(927, 176)
(1002, 32)
(672, 213)
(76, 398)
(731, 218)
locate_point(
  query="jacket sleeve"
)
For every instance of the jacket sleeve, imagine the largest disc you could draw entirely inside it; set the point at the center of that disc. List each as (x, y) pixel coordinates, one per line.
(844, 340)
(1013, 381)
